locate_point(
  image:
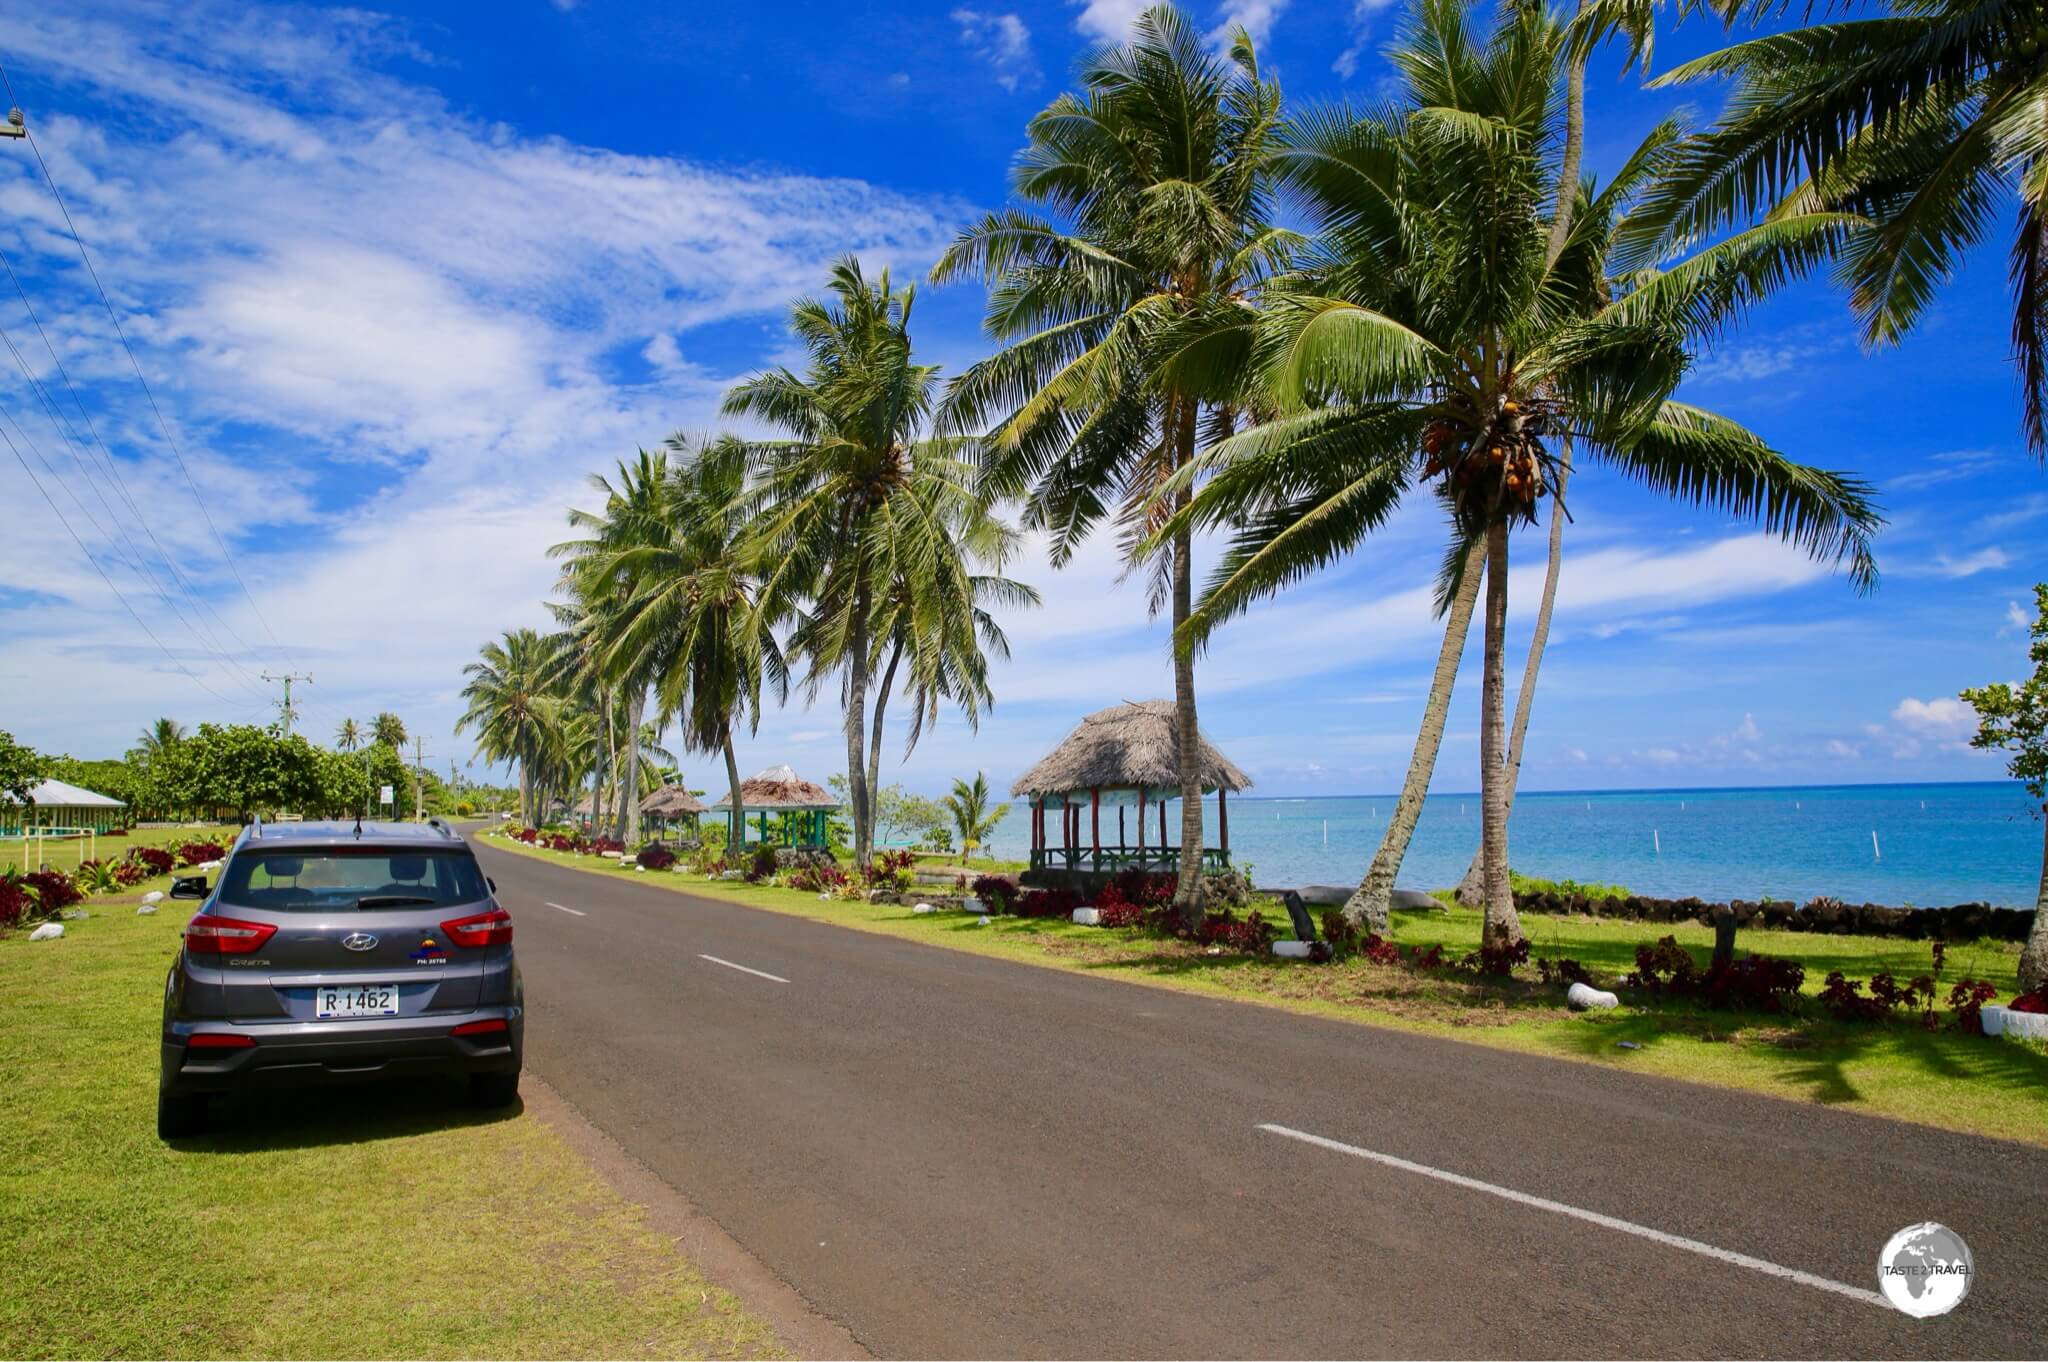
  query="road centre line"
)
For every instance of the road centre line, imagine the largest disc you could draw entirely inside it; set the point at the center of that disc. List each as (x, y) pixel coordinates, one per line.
(577, 912)
(1790, 1274)
(744, 969)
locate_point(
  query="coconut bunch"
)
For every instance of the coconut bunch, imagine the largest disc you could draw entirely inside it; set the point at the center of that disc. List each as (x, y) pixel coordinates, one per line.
(1495, 459)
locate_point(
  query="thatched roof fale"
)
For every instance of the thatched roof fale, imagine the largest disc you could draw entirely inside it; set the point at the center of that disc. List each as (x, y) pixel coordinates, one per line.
(1131, 746)
(777, 789)
(672, 801)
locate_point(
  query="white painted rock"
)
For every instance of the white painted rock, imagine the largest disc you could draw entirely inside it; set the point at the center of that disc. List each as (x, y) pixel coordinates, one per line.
(2003, 1021)
(1292, 950)
(615, 855)
(824, 893)
(641, 868)
(145, 909)
(1088, 917)
(924, 908)
(208, 866)
(983, 920)
(153, 896)
(49, 931)
(1581, 997)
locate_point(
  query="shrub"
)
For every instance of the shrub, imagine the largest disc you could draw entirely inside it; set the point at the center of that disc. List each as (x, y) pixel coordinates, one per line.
(1756, 982)
(762, 866)
(15, 901)
(2037, 1001)
(1844, 998)
(158, 860)
(1340, 933)
(1139, 888)
(655, 856)
(1497, 959)
(1967, 1001)
(1252, 935)
(53, 890)
(528, 835)
(996, 891)
(130, 873)
(1047, 903)
(97, 877)
(889, 870)
(600, 845)
(198, 853)
(1565, 971)
(819, 879)
(1118, 913)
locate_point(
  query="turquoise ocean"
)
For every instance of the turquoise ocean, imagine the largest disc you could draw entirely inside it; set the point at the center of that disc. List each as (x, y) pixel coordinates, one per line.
(1935, 844)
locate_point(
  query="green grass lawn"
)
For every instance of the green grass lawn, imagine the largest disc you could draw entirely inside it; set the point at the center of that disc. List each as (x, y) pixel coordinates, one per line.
(387, 1221)
(1991, 1087)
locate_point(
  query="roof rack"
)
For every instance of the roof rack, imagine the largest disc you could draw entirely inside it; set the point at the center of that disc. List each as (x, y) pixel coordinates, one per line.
(255, 827)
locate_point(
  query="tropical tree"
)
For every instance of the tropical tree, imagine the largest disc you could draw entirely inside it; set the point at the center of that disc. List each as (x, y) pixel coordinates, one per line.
(514, 716)
(2015, 717)
(349, 736)
(1127, 310)
(1429, 341)
(389, 729)
(689, 613)
(859, 500)
(1924, 123)
(159, 738)
(22, 768)
(973, 819)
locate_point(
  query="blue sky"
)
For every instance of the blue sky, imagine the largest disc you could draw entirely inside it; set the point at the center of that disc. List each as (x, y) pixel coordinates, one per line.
(401, 278)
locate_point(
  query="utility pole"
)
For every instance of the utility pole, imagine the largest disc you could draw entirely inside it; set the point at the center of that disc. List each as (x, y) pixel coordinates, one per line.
(285, 708)
(419, 774)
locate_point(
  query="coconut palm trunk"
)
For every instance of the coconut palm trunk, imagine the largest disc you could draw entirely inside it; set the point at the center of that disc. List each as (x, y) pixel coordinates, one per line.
(1472, 889)
(1188, 894)
(629, 774)
(1370, 904)
(737, 831)
(526, 791)
(2034, 956)
(856, 721)
(1502, 923)
(875, 741)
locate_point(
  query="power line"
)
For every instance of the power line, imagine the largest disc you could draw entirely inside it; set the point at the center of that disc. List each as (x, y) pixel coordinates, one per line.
(162, 425)
(144, 624)
(107, 456)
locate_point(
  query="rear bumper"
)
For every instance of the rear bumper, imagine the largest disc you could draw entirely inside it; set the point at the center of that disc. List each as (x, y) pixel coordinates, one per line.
(297, 1054)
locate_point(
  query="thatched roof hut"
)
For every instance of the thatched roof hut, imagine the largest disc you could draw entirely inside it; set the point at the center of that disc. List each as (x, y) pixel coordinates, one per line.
(1122, 750)
(1126, 754)
(672, 801)
(779, 790)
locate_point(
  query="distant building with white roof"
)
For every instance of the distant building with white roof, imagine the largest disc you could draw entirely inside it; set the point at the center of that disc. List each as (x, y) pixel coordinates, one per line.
(60, 804)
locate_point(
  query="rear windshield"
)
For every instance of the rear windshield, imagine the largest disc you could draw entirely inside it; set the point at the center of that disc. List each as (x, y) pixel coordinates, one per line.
(323, 881)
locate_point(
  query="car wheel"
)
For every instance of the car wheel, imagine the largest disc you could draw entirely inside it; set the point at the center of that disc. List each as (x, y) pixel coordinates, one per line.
(177, 1117)
(494, 1090)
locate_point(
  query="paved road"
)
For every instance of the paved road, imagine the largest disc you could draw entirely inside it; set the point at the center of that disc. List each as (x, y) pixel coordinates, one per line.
(956, 1156)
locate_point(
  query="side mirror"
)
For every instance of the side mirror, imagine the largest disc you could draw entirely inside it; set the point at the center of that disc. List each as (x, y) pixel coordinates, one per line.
(189, 887)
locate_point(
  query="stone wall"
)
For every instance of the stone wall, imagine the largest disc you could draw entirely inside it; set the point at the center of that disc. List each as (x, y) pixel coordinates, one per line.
(1960, 922)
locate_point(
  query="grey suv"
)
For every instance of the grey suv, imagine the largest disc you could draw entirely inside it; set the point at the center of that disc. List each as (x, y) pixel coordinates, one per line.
(337, 951)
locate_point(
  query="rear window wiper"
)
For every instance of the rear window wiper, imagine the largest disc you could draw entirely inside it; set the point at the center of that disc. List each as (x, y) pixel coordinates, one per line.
(390, 900)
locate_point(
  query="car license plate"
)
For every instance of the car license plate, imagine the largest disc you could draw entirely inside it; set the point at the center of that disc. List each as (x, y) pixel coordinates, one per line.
(355, 1000)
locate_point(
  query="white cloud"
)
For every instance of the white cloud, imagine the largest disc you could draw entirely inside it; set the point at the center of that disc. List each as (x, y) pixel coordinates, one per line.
(1108, 20)
(1942, 717)
(1363, 12)
(1747, 731)
(1988, 559)
(1004, 42)
(2016, 618)
(1846, 751)
(1256, 17)
(1752, 363)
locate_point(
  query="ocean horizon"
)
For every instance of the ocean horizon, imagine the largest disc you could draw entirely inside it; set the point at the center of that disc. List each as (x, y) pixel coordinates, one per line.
(1906, 844)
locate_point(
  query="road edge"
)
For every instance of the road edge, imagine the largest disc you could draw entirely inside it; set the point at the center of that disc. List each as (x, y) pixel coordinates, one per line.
(724, 1261)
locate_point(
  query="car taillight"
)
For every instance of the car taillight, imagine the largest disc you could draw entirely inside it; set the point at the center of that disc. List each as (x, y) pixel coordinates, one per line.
(216, 1040)
(209, 935)
(485, 929)
(494, 1027)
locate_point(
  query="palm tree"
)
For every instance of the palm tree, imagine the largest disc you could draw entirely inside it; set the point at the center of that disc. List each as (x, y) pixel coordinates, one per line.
(1924, 123)
(389, 729)
(633, 515)
(689, 612)
(973, 819)
(1127, 315)
(859, 498)
(514, 716)
(1430, 339)
(349, 736)
(159, 738)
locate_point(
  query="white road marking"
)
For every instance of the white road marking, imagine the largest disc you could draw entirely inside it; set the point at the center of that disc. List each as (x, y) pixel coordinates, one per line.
(577, 912)
(743, 969)
(1790, 1274)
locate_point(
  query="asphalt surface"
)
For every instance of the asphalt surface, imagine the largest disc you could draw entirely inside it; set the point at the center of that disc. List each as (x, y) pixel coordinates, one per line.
(957, 1156)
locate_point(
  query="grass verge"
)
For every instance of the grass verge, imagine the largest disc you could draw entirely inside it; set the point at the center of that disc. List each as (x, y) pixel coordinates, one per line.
(1895, 1069)
(385, 1221)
